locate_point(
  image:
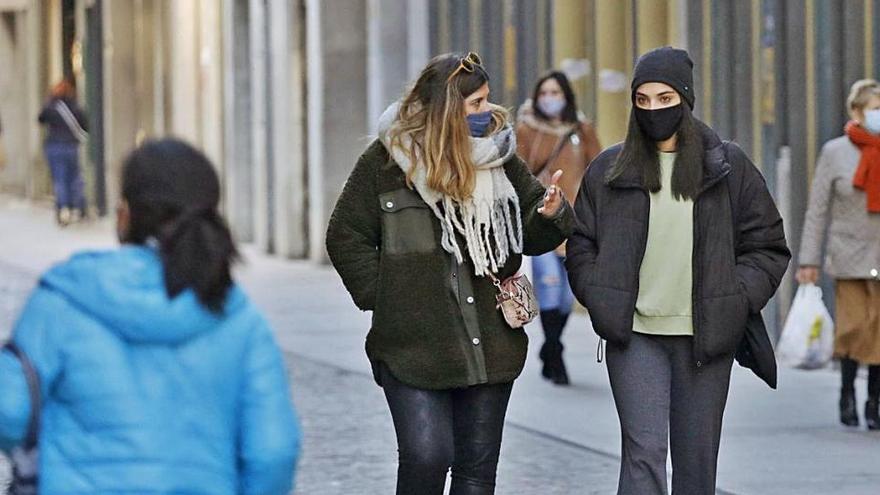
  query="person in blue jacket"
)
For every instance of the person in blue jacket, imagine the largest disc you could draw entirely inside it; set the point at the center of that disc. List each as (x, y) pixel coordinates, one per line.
(158, 374)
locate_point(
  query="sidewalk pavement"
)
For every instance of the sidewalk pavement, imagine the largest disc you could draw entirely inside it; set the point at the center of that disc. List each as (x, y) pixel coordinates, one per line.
(557, 440)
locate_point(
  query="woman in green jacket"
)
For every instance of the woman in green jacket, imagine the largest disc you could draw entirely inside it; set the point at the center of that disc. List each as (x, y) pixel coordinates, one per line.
(435, 210)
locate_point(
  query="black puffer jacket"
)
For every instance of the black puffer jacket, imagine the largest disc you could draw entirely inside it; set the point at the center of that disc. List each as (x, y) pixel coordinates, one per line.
(740, 254)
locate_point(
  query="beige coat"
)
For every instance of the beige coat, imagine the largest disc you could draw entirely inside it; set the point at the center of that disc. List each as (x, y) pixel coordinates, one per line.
(853, 234)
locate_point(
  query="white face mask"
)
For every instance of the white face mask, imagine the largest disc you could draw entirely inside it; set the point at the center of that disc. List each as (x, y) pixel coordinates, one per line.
(872, 121)
(552, 106)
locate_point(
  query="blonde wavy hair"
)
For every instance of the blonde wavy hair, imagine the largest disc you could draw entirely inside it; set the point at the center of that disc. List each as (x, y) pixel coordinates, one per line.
(432, 115)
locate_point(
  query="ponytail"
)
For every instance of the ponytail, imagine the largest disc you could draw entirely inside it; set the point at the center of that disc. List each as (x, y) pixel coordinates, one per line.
(172, 193)
(197, 252)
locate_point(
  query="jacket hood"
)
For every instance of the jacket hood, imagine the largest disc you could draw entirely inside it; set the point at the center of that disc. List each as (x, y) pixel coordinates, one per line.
(125, 290)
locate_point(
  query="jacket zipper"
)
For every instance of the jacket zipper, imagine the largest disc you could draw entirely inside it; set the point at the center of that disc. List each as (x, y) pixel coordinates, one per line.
(696, 272)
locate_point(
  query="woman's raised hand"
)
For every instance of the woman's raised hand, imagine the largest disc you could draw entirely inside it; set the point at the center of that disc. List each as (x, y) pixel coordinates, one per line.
(553, 198)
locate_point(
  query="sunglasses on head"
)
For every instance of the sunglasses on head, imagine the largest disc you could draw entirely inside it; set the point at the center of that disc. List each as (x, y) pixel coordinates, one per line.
(469, 63)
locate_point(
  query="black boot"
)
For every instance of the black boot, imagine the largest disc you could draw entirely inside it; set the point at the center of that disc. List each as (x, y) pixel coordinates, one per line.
(561, 373)
(848, 370)
(561, 376)
(546, 371)
(550, 324)
(848, 414)
(553, 322)
(872, 414)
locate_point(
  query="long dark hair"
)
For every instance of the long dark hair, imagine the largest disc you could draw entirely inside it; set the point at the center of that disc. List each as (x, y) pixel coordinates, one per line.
(570, 112)
(640, 153)
(172, 193)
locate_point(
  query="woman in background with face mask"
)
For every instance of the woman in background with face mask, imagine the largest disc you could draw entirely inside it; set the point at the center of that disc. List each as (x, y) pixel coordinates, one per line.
(678, 246)
(551, 135)
(434, 210)
(845, 201)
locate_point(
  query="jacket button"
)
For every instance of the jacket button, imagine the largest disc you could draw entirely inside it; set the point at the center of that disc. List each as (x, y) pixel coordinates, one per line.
(476, 341)
(470, 300)
(389, 205)
(699, 364)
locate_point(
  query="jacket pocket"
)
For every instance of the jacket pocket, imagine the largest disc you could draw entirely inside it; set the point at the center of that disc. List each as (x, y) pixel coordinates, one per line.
(407, 223)
(724, 323)
(611, 313)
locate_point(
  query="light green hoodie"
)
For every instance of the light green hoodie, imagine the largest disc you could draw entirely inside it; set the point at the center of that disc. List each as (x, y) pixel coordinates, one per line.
(665, 305)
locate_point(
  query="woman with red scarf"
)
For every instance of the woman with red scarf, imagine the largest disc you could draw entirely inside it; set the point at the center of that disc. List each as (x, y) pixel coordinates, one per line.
(845, 200)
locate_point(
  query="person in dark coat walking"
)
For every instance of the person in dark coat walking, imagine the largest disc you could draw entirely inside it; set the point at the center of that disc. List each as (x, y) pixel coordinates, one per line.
(66, 128)
(434, 210)
(678, 244)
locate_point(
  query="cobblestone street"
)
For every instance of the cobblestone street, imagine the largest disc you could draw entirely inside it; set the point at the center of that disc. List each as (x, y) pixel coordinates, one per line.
(349, 434)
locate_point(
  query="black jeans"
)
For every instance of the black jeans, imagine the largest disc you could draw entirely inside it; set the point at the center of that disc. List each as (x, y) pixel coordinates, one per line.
(439, 429)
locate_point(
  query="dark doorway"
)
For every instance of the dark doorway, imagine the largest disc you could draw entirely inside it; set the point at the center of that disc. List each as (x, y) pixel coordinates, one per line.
(93, 65)
(68, 37)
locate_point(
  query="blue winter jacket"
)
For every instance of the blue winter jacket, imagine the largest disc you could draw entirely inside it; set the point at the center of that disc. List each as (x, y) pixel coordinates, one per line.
(146, 394)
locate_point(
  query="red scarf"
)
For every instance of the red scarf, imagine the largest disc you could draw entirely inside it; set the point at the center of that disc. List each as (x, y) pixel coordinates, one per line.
(867, 176)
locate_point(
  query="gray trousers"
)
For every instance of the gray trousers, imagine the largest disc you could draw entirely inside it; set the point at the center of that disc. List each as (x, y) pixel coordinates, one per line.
(665, 402)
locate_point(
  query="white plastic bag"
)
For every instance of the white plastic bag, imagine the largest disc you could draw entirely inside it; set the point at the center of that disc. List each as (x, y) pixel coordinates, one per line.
(807, 340)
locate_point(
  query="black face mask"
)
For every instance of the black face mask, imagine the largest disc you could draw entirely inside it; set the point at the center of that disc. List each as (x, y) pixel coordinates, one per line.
(660, 125)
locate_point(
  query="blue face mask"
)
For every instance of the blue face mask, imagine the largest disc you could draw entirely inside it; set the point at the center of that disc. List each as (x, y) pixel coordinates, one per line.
(872, 121)
(479, 123)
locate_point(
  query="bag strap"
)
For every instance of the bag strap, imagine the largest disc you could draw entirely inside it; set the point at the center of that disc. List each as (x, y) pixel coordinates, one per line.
(33, 382)
(496, 282)
(499, 285)
(70, 120)
(557, 150)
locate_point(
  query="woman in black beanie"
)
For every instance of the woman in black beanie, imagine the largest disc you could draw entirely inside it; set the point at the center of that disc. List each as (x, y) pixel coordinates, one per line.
(678, 245)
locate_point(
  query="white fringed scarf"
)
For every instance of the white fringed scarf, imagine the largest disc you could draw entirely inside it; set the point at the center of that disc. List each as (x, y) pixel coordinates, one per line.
(490, 220)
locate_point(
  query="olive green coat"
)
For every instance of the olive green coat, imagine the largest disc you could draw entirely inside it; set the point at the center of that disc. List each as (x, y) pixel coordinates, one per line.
(435, 324)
